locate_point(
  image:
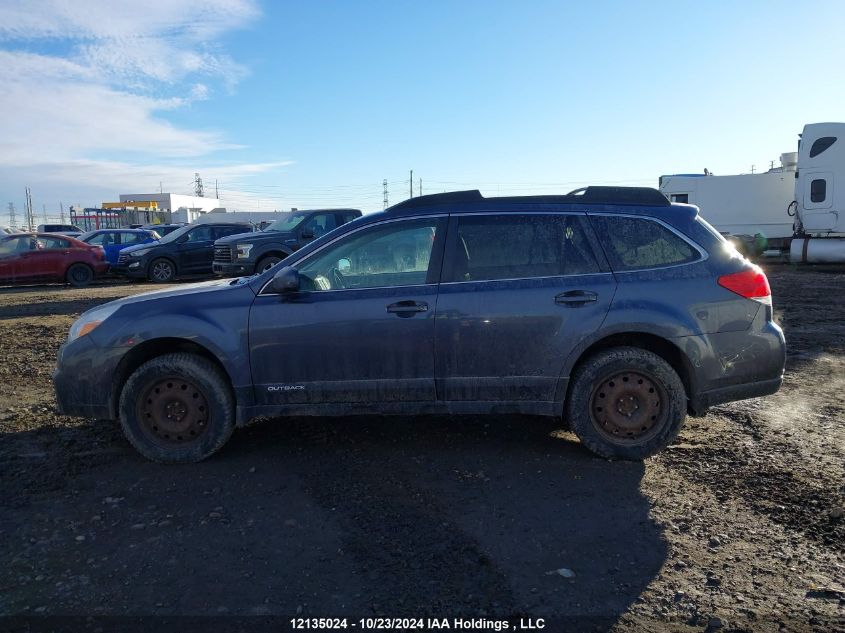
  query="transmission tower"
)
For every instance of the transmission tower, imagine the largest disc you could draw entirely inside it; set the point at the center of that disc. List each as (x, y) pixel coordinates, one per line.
(384, 184)
(12, 220)
(198, 186)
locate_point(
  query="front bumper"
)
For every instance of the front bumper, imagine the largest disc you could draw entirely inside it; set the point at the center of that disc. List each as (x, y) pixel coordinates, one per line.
(136, 268)
(233, 269)
(83, 385)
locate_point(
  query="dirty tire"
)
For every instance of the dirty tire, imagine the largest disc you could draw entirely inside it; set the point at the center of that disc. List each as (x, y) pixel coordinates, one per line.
(79, 275)
(266, 263)
(191, 379)
(162, 271)
(645, 418)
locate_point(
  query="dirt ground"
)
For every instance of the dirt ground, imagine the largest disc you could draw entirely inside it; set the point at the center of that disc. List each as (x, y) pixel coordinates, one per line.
(737, 527)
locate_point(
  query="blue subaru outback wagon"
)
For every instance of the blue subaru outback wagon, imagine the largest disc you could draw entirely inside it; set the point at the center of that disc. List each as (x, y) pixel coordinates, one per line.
(609, 308)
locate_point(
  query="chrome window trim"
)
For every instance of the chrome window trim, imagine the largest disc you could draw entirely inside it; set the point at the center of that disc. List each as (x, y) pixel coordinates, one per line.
(703, 254)
(490, 281)
(424, 216)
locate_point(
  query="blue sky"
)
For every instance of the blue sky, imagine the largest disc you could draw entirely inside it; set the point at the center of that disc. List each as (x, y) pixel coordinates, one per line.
(315, 103)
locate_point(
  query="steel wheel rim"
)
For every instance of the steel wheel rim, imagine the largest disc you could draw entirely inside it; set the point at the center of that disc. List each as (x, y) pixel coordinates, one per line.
(268, 266)
(79, 274)
(162, 271)
(629, 407)
(173, 410)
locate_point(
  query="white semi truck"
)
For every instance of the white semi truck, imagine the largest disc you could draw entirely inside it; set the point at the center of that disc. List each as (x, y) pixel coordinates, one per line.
(796, 208)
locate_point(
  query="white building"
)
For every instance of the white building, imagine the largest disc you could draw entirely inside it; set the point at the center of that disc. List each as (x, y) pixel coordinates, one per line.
(181, 208)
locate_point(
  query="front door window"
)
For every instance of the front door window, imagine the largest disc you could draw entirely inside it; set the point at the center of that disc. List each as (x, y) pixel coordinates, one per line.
(393, 254)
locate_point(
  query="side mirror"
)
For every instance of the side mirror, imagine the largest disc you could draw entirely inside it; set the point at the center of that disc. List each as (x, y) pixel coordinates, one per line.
(307, 234)
(286, 280)
(182, 239)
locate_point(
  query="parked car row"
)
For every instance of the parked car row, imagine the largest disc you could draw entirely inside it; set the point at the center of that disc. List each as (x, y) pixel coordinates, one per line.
(163, 252)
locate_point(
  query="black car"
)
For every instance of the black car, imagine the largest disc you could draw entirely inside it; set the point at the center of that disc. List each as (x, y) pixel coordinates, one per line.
(256, 252)
(189, 250)
(161, 229)
(612, 309)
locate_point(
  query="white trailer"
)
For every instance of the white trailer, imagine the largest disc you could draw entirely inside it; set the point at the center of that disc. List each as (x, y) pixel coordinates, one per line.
(750, 207)
(796, 208)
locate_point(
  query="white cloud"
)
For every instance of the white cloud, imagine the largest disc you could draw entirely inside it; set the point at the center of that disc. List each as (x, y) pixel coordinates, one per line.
(123, 65)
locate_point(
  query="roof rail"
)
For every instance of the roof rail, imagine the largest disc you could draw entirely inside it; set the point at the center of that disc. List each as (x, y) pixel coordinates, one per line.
(451, 197)
(589, 195)
(620, 195)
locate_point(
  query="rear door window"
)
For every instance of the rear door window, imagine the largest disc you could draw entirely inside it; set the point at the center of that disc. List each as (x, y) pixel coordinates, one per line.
(639, 243)
(518, 246)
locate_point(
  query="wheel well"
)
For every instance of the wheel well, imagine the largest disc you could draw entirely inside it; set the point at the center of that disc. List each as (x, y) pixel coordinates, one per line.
(279, 254)
(148, 350)
(72, 264)
(660, 346)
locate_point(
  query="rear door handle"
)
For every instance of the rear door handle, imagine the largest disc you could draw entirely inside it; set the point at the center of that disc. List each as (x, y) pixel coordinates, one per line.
(407, 308)
(576, 298)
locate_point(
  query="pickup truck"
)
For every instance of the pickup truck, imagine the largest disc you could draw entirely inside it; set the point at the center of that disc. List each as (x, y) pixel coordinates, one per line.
(250, 253)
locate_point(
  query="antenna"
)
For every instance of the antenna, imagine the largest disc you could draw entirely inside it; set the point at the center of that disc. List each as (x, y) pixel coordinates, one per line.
(198, 186)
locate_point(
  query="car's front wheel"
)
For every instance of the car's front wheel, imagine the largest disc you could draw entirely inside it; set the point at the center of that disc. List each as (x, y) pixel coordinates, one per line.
(177, 408)
(626, 403)
(162, 271)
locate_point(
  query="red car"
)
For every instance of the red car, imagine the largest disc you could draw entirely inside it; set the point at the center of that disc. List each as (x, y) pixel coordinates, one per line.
(34, 257)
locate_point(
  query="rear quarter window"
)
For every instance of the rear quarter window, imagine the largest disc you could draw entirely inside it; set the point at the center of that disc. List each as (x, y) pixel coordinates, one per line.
(640, 243)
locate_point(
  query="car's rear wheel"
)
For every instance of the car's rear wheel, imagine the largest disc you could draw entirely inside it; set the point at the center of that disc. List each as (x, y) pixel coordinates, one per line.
(79, 275)
(266, 263)
(626, 403)
(162, 271)
(177, 408)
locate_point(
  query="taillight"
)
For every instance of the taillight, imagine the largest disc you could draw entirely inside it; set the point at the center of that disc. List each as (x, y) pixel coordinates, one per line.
(751, 284)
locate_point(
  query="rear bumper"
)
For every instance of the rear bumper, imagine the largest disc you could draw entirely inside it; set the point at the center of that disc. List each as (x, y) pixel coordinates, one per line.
(707, 399)
(233, 269)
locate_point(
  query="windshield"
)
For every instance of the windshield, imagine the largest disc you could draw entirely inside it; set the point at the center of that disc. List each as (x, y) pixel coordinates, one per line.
(175, 235)
(288, 223)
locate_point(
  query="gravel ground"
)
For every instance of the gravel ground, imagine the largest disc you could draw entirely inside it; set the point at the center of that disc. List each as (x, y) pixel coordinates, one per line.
(737, 527)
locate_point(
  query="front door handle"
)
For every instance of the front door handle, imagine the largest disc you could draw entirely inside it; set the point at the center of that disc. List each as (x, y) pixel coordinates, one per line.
(407, 309)
(575, 298)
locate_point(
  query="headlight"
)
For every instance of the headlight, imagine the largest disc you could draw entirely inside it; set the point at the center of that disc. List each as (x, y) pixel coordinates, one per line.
(243, 250)
(139, 253)
(90, 320)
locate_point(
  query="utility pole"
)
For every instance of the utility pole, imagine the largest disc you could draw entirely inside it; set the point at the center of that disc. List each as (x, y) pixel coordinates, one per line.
(411, 181)
(160, 187)
(383, 184)
(12, 221)
(62, 210)
(44, 211)
(216, 192)
(30, 224)
(419, 192)
(752, 168)
(198, 186)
